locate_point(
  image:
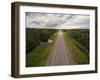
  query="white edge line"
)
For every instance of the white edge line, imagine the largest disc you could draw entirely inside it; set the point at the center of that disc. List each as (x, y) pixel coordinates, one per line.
(53, 56)
(66, 55)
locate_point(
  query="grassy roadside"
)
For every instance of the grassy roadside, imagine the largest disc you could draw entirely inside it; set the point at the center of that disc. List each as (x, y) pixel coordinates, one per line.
(80, 56)
(39, 55)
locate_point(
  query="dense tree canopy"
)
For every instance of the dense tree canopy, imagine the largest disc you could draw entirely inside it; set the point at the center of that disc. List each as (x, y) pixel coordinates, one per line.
(81, 36)
(36, 36)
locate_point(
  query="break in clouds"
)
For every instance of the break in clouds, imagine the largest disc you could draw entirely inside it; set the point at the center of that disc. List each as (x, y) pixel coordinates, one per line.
(57, 21)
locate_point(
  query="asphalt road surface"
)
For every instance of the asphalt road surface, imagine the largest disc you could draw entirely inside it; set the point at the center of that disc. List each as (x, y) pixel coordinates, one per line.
(60, 54)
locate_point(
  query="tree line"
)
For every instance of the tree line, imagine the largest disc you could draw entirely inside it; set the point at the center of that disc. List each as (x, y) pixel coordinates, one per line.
(81, 36)
(36, 36)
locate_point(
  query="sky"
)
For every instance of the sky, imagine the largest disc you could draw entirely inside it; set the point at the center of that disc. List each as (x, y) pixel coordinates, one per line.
(57, 21)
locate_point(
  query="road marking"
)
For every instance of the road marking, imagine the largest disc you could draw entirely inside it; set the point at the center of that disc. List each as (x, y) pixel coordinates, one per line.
(66, 55)
(53, 57)
(54, 52)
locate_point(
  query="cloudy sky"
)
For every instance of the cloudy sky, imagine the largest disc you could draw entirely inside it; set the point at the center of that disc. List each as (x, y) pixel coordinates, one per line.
(57, 21)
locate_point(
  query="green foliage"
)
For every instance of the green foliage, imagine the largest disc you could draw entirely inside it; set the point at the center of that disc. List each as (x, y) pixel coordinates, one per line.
(35, 36)
(39, 55)
(79, 53)
(82, 37)
(32, 39)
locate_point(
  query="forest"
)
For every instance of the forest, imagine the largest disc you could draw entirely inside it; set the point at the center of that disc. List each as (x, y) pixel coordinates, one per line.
(35, 37)
(38, 47)
(81, 36)
(78, 43)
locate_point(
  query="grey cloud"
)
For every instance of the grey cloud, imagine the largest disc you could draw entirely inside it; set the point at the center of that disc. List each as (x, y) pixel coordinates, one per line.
(35, 22)
(55, 20)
